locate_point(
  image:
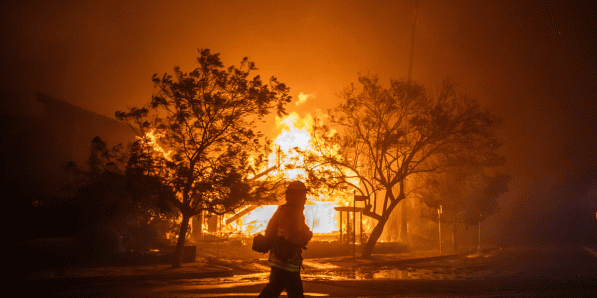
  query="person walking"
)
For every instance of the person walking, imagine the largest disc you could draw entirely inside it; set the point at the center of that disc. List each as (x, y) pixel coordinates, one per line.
(288, 223)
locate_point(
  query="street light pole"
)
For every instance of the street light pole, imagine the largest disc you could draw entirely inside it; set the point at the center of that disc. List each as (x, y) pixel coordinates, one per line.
(479, 232)
(357, 198)
(479, 247)
(439, 212)
(354, 227)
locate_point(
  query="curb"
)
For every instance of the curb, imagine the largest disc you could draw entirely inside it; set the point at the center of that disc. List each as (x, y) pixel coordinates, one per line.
(217, 272)
(426, 259)
(212, 271)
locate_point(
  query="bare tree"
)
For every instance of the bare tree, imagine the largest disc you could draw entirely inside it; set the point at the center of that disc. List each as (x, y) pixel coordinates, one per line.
(386, 136)
(206, 148)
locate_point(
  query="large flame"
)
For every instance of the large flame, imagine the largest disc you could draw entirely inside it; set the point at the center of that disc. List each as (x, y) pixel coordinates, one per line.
(292, 137)
(319, 210)
(151, 138)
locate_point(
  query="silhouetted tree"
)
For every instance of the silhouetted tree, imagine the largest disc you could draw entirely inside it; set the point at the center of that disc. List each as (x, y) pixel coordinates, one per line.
(204, 121)
(467, 195)
(117, 209)
(485, 200)
(388, 135)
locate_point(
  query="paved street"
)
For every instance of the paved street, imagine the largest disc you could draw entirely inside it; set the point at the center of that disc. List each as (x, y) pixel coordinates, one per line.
(569, 271)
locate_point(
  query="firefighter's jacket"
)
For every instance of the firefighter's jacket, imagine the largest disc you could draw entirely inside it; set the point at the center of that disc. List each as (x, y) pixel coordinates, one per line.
(289, 222)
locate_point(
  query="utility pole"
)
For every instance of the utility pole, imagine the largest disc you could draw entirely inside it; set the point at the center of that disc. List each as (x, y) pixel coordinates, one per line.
(439, 213)
(412, 42)
(357, 198)
(479, 247)
(354, 228)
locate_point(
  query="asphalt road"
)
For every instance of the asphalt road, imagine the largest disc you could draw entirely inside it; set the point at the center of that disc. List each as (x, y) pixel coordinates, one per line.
(555, 271)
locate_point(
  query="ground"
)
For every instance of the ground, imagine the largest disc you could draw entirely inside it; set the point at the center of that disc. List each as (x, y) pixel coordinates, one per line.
(319, 255)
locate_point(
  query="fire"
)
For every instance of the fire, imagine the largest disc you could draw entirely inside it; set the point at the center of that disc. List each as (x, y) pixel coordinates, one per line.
(151, 138)
(321, 217)
(292, 137)
(255, 221)
(319, 210)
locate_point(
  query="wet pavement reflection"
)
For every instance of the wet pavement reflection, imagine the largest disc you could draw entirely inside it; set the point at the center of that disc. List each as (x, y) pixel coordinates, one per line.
(464, 267)
(400, 273)
(536, 272)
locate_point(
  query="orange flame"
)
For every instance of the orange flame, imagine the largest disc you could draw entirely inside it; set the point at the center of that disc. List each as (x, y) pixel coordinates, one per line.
(319, 210)
(151, 138)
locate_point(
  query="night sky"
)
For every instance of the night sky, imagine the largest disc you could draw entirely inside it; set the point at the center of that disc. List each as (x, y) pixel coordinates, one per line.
(531, 62)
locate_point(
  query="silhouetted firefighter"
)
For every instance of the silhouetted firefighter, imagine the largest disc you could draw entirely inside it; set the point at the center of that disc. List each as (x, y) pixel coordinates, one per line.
(289, 227)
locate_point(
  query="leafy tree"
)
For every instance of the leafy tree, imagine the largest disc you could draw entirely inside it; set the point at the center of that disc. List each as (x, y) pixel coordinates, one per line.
(467, 196)
(388, 136)
(117, 209)
(204, 126)
(485, 201)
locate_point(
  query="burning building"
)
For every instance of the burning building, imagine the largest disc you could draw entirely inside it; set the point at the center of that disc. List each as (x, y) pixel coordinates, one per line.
(330, 218)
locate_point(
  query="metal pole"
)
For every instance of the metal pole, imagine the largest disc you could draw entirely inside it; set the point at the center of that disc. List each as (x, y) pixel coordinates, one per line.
(412, 43)
(479, 247)
(201, 226)
(354, 227)
(361, 229)
(340, 226)
(439, 212)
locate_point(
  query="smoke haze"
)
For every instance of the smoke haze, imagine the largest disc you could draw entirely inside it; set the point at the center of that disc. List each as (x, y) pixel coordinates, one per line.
(530, 62)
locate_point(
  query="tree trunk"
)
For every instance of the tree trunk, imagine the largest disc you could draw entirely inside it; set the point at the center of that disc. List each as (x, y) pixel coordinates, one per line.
(378, 230)
(375, 234)
(184, 227)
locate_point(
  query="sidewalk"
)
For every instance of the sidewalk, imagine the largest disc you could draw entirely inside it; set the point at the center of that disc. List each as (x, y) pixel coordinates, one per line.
(211, 261)
(386, 260)
(196, 270)
(156, 272)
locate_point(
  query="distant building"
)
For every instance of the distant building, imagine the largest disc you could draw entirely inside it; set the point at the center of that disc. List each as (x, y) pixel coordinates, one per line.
(40, 135)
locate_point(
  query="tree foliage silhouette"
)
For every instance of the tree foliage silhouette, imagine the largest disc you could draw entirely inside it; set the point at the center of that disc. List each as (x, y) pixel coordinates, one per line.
(387, 136)
(206, 148)
(117, 209)
(468, 195)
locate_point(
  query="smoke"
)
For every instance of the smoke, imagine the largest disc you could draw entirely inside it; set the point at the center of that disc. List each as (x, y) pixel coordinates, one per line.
(530, 62)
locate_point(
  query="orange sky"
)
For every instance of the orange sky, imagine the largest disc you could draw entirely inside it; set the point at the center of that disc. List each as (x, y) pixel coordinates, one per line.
(530, 62)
